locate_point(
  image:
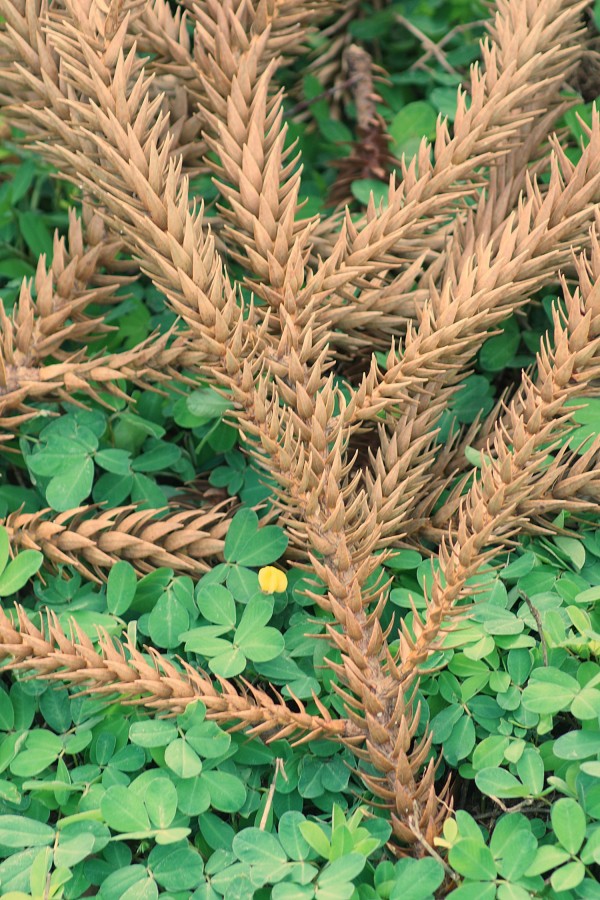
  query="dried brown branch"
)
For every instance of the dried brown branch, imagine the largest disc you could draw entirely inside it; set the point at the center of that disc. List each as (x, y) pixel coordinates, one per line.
(468, 233)
(183, 541)
(150, 680)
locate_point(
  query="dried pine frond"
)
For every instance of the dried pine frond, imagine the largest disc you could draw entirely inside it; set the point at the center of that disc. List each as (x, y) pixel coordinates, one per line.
(147, 538)
(148, 680)
(469, 231)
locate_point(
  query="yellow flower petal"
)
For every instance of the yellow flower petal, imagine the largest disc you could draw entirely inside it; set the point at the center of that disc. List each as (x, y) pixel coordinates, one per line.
(272, 580)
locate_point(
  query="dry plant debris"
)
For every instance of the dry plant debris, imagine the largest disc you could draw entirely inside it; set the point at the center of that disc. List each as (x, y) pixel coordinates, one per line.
(127, 100)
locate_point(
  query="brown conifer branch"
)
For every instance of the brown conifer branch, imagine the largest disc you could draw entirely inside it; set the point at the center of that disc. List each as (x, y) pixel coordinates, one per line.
(369, 155)
(478, 291)
(507, 103)
(151, 680)
(91, 544)
(21, 385)
(132, 147)
(110, 133)
(321, 506)
(514, 469)
(42, 321)
(575, 344)
(223, 31)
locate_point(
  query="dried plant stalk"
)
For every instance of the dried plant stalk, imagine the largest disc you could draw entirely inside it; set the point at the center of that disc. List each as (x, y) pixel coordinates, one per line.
(148, 680)
(468, 233)
(182, 541)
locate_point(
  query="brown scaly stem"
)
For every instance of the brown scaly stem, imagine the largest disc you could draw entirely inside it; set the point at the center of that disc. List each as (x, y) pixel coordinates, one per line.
(575, 345)
(478, 291)
(153, 681)
(20, 385)
(512, 469)
(111, 135)
(182, 541)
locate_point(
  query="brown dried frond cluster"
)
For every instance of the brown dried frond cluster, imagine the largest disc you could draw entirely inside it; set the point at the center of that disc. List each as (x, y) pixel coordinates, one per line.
(128, 98)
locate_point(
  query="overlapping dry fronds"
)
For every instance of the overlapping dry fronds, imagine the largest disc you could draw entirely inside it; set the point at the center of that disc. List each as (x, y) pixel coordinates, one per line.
(468, 233)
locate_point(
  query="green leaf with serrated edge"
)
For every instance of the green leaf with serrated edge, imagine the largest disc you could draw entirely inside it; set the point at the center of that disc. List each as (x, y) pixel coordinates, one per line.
(19, 571)
(121, 587)
(569, 823)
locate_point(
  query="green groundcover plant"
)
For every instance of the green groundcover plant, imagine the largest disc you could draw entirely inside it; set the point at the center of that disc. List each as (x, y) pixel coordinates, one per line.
(299, 534)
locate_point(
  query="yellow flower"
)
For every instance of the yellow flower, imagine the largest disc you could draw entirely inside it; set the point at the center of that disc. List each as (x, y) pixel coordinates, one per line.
(272, 580)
